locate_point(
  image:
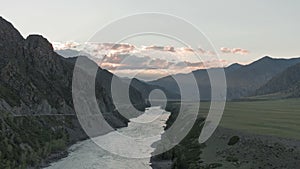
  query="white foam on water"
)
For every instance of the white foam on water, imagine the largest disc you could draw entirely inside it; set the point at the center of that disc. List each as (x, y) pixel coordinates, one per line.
(110, 152)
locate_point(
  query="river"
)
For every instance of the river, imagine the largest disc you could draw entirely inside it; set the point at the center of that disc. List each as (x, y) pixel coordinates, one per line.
(133, 151)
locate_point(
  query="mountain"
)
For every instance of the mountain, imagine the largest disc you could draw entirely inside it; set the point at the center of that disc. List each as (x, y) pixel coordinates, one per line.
(67, 53)
(37, 114)
(285, 84)
(143, 87)
(233, 67)
(33, 74)
(146, 88)
(241, 80)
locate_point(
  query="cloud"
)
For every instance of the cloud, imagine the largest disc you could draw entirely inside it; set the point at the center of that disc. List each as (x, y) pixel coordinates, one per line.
(146, 75)
(174, 68)
(160, 64)
(180, 50)
(152, 60)
(201, 65)
(108, 48)
(239, 51)
(110, 66)
(197, 65)
(186, 50)
(134, 62)
(204, 52)
(225, 50)
(116, 47)
(124, 61)
(66, 45)
(130, 61)
(160, 48)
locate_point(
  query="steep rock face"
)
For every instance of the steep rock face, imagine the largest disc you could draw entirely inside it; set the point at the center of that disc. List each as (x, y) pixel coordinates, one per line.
(10, 39)
(34, 78)
(10, 42)
(35, 81)
(35, 74)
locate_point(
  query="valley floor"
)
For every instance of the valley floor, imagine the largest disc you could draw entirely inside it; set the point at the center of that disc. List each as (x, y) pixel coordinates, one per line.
(252, 134)
(251, 151)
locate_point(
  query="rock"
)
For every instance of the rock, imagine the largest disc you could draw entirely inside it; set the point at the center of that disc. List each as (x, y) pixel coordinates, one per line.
(233, 140)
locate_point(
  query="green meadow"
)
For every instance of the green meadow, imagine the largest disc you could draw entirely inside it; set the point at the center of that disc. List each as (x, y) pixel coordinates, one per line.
(266, 117)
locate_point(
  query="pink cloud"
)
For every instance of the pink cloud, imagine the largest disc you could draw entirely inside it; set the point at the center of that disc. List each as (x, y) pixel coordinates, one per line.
(187, 49)
(134, 62)
(225, 50)
(239, 51)
(66, 45)
(111, 47)
(127, 57)
(160, 48)
(174, 68)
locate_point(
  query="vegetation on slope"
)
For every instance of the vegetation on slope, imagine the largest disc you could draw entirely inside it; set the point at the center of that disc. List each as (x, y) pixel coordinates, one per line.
(186, 154)
(34, 81)
(27, 140)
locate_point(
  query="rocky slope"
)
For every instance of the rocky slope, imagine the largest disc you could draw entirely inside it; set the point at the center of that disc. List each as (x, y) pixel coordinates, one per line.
(143, 87)
(286, 84)
(36, 81)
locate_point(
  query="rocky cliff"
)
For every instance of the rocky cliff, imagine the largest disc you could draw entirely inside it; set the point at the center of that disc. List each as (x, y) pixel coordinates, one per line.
(37, 116)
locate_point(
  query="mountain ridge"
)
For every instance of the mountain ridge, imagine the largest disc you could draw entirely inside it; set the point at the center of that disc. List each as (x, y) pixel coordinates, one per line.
(36, 96)
(242, 80)
(285, 84)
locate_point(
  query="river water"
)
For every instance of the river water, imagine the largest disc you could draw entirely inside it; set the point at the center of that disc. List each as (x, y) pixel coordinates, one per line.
(127, 148)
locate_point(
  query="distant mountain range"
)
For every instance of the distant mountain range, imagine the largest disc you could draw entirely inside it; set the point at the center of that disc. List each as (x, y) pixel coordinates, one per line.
(242, 80)
(144, 87)
(285, 84)
(67, 53)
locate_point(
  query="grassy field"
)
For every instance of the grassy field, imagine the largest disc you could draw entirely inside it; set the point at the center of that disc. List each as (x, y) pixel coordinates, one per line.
(270, 117)
(279, 118)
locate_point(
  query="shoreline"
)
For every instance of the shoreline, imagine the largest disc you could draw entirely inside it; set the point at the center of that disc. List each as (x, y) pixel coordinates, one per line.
(58, 156)
(77, 135)
(249, 152)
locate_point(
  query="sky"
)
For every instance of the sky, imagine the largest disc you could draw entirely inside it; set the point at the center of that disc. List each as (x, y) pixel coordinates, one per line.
(255, 27)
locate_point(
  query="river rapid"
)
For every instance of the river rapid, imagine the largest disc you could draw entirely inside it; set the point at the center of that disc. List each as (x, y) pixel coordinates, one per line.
(127, 148)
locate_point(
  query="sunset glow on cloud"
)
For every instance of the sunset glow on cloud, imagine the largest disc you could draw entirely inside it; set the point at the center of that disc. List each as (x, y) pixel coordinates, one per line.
(125, 59)
(66, 45)
(239, 51)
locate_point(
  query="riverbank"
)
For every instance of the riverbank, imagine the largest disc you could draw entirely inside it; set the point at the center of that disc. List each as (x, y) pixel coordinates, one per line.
(75, 134)
(230, 148)
(162, 164)
(56, 156)
(109, 151)
(187, 150)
